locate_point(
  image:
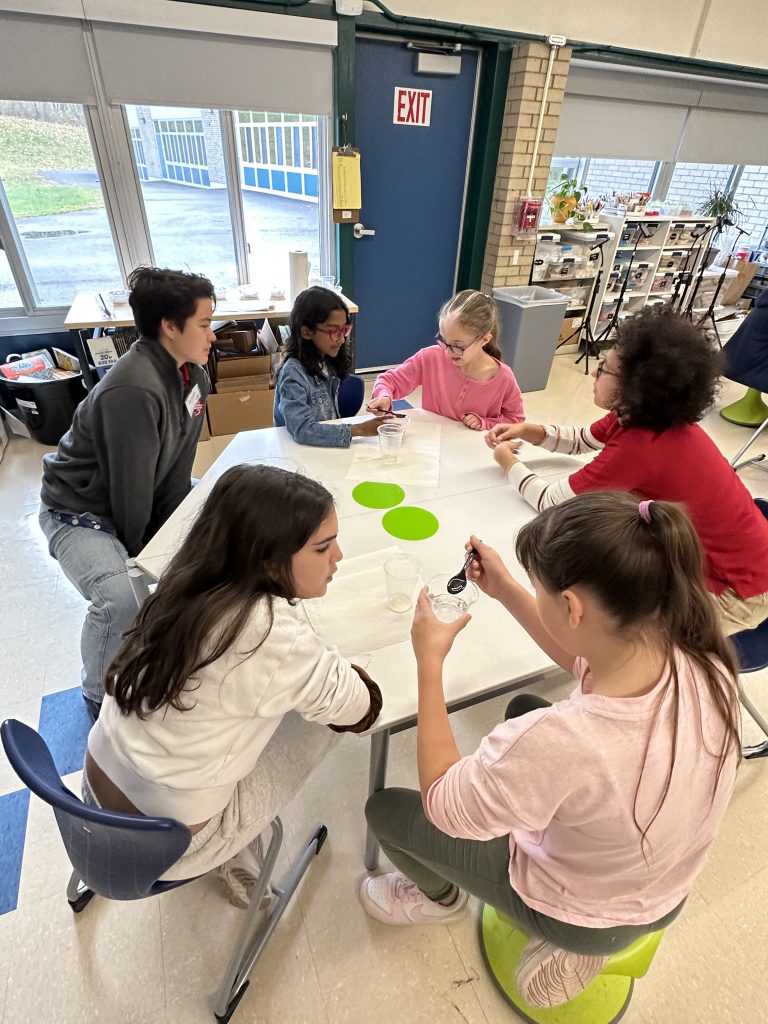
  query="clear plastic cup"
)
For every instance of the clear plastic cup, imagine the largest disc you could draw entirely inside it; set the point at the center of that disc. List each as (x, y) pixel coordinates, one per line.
(449, 607)
(390, 438)
(402, 574)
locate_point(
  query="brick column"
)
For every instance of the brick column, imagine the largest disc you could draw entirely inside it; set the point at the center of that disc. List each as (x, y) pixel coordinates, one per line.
(213, 148)
(525, 92)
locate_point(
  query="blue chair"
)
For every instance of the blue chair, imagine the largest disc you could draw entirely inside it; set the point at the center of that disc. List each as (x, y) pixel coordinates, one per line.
(752, 650)
(351, 394)
(122, 856)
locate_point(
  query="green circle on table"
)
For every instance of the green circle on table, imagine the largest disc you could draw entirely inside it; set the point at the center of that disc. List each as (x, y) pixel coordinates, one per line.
(410, 523)
(376, 495)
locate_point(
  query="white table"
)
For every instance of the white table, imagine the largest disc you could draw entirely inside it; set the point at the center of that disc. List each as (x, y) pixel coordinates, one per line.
(493, 655)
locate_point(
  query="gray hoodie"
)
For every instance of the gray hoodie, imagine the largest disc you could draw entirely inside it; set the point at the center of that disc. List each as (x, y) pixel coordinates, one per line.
(129, 452)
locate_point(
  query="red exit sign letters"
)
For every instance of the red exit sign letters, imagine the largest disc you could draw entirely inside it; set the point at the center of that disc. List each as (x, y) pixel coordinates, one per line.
(412, 106)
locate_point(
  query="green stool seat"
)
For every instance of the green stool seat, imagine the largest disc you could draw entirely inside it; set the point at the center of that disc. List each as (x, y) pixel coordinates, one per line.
(602, 1002)
(749, 411)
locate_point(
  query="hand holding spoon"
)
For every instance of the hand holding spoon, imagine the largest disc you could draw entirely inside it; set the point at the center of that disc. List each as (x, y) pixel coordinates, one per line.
(458, 582)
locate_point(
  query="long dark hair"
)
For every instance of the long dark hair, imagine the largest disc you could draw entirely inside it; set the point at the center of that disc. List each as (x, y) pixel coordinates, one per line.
(643, 574)
(312, 307)
(237, 552)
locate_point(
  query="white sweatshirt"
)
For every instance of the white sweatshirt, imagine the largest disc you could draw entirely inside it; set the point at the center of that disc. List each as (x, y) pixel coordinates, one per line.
(186, 764)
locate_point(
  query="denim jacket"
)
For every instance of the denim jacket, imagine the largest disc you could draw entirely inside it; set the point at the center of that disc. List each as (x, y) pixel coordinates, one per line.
(302, 402)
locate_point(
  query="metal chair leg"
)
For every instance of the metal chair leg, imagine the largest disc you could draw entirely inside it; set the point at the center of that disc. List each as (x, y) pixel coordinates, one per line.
(755, 750)
(758, 458)
(78, 894)
(250, 945)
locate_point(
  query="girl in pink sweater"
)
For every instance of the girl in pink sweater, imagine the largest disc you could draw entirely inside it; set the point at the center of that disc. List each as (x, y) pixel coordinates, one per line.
(460, 376)
(585, 821)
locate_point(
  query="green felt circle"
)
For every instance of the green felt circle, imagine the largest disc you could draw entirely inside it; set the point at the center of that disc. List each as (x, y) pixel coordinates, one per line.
(410, 523)
(374, 495)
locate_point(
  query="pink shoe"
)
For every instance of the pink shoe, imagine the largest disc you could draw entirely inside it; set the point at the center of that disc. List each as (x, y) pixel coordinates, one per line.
(395, 899)
(547, 975)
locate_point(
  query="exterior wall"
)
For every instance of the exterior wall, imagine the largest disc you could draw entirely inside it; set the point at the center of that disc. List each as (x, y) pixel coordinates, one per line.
(608, 176)
(524, 95)
(213, 147)
(752, 197)
(691, 182)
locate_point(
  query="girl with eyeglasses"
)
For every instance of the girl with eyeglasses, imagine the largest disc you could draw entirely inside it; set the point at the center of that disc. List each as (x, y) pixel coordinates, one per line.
(655, 383)
(316, 360)
(461, 375)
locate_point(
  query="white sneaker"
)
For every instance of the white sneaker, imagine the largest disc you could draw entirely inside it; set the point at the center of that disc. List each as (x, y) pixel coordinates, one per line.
(395, 899)
(547, 975)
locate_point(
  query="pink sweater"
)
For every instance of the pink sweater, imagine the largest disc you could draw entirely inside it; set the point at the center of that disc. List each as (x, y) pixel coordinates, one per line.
(561, 782)
(446, 391)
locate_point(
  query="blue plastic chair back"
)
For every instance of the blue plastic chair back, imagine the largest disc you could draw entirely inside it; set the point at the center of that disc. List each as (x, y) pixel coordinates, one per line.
(752, 644)
(119, 856)
(351, 394)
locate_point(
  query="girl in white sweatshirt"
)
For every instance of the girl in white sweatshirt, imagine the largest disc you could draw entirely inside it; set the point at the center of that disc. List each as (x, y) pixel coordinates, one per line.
(218, 702)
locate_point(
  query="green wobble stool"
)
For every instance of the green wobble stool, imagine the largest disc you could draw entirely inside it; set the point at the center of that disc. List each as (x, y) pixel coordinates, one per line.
(749, 411)
(603, 1001)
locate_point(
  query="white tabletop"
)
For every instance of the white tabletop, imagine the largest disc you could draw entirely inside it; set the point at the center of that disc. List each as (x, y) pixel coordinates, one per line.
(86, 312)
(472, 497)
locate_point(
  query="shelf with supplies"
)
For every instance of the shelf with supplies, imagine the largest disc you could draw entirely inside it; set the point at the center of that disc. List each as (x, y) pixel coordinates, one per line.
(638, 253)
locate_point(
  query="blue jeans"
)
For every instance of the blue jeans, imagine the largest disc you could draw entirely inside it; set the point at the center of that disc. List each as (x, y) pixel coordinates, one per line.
(94, 562)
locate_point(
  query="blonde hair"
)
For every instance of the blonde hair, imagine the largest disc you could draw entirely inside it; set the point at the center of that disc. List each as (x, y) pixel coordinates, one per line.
(476, 311)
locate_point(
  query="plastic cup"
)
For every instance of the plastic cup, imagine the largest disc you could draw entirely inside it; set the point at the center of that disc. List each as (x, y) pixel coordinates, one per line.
(449, 607)
(402, 574)
(390, 439)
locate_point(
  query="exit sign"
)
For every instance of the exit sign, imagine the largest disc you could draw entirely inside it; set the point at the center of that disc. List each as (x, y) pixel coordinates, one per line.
(412, 106)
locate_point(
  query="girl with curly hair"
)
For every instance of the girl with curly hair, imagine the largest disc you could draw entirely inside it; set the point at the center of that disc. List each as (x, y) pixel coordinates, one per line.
(656, 383)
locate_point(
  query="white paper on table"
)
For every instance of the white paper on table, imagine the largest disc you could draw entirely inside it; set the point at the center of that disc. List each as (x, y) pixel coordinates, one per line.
(354, 614)
(418, 461)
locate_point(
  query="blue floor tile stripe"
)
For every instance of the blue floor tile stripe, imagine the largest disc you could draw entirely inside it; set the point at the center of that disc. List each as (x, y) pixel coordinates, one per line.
(13, 827)
(64, 725)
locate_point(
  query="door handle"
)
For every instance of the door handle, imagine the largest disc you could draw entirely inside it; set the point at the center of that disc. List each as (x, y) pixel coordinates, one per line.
(360, 229)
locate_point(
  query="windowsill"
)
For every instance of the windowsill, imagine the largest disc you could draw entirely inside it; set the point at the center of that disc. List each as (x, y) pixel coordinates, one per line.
(35, 323)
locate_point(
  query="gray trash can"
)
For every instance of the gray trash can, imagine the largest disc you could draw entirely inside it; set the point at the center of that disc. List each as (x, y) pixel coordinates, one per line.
(531, 318)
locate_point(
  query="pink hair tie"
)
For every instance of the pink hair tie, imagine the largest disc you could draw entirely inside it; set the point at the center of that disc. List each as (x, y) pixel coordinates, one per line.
(644, 510)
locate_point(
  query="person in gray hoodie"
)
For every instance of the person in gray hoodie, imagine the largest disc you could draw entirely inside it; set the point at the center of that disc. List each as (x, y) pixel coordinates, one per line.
(126, 462)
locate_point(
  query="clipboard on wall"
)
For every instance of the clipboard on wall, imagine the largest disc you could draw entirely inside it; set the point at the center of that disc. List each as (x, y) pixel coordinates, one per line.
(347, 187)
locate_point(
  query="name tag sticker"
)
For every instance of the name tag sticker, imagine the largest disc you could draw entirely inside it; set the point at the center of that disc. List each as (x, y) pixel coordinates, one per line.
(194, 402)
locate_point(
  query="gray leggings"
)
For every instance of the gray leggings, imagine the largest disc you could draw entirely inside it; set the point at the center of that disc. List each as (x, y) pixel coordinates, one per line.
(436, 862)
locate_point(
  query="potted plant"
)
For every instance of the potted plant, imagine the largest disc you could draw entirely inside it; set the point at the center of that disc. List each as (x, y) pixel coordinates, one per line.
(564, 196)
(721, 204)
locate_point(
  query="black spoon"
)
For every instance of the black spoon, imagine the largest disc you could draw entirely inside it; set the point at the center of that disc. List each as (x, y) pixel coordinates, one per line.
(458, 582)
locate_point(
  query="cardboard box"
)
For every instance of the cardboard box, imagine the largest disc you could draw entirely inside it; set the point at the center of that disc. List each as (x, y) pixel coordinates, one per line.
(258, 382)
(734, 289)
(570, 324)
(243, 366)
(205, 433)
(233, 411)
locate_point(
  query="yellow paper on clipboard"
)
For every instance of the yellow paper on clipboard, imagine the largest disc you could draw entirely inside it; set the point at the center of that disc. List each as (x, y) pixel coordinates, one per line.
(347, 190)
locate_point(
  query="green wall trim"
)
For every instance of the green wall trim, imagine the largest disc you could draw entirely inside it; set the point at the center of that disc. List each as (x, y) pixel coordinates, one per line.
(345, 104)
(489, 120)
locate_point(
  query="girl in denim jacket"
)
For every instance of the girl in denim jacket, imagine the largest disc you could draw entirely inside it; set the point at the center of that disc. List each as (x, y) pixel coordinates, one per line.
(316, 361)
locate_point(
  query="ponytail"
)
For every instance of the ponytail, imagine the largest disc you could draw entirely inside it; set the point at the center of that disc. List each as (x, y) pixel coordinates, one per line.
(643, 563)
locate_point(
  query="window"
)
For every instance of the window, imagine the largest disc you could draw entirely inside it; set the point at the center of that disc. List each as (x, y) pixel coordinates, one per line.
(179, 158)
(691, 183)
(752, 197)
(278, 173)
(604, 177)
(52, 200)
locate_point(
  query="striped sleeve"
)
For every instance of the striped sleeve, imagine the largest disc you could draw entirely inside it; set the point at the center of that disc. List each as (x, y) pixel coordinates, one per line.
(570, 440)
(535, 491)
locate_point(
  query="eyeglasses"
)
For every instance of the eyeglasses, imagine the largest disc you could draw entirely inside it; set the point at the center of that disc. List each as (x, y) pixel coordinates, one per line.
(600, 370)
(336, 333)
(452, 347)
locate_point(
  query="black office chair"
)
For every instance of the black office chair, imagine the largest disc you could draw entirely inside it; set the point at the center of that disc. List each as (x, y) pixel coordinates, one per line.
(122, 856)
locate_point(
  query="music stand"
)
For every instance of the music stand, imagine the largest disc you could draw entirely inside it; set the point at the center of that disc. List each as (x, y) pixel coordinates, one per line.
(613, 319)
(710, 311)
(684, 277)
(584, 331)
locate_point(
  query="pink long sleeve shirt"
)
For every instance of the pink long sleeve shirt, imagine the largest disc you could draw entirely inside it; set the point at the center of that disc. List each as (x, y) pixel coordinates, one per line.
(561, 782)
(446, 391)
